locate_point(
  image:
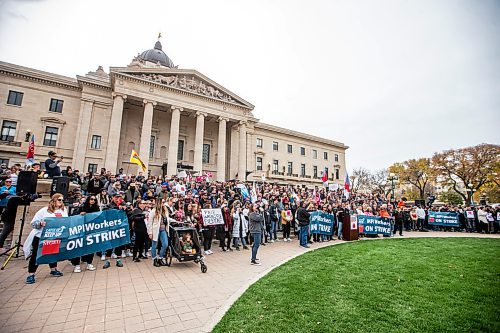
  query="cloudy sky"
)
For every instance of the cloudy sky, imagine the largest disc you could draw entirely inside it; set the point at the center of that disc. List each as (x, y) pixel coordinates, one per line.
(391, 79)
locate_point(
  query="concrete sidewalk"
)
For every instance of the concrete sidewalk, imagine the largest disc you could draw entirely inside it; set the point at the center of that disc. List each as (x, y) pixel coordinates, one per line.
(140, 297)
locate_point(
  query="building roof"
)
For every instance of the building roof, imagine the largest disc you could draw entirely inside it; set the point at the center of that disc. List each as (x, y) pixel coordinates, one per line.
(156, 55)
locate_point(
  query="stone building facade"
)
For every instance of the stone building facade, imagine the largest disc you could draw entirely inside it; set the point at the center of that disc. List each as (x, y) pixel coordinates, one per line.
(174, 118)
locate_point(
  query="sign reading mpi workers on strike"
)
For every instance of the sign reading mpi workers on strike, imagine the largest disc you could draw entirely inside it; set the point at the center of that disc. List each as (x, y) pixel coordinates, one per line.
(374, 225)
(321, 223)
(75, 236)
(447, 219)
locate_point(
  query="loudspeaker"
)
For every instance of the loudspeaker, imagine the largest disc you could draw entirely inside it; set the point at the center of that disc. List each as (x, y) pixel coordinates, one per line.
(26, 183)
(60, 185)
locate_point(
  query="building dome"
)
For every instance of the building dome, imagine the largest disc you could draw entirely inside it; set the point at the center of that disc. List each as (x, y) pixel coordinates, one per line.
(156, 55)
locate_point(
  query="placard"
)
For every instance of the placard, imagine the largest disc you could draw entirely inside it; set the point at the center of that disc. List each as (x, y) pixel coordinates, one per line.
(447, 219)
(321, 223)
(374, 225)
(470, 214)
(212, 217)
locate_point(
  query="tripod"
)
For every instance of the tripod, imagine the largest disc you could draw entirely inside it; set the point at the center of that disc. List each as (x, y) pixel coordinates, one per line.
(15, 249)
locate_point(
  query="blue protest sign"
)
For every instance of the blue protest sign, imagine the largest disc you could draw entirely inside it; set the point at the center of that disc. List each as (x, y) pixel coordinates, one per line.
(321, 223)
(374, 225)
(70, 237)
(447, 219)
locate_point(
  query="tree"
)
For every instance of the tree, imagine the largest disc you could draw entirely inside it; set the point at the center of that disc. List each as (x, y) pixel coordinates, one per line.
(417, 172)
(451, 197)
(360, 180)
(468, 169)
(378, 180)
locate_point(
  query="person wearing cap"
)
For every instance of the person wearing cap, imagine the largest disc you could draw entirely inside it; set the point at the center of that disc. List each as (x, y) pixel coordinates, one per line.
(52, 168)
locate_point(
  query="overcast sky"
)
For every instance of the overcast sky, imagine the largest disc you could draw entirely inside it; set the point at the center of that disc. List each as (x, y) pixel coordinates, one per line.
(391, 79)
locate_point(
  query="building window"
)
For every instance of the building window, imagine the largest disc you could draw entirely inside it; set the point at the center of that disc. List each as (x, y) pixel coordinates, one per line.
(206, 153)
(259, 143)
(337, 174)
(289, 149)
(15, 98)
(315, 153)
(275, 166)
(259, 163)
(96, 142)
(325, 155)
(92, 168)
(302, 170)
(302, 151)
(180, 150)
(56, 105)
(4, 160)
(50, 138)
(336, 157)
(290, 168)
(152, 146)
(315, 171)
(8, 130)
(326, 172)
(275, 145)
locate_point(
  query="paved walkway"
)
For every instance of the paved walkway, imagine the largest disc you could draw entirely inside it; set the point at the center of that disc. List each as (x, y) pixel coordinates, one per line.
(140, 297)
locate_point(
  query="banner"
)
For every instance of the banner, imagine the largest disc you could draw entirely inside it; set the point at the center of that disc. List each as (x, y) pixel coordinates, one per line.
(212, 216)
(447, 219)
(321, 223)
(374, 225)
(65, 238)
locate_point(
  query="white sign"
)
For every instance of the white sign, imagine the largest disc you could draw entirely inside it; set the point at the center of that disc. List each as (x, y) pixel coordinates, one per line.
(333, 187)
(354, 222)
(470, 214)
(182, 174)
(212, 216)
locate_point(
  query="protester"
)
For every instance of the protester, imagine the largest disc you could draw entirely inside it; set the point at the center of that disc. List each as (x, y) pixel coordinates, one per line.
(55, 208)
(89, 206)
(157, 228)
(52, 168)
(255, 229)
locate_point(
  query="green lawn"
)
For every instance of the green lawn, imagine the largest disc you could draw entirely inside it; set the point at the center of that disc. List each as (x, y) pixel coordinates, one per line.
(389, 285)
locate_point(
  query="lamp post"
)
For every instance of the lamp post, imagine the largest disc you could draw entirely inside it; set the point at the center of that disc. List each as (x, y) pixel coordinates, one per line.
(393, 177)
(470, 193)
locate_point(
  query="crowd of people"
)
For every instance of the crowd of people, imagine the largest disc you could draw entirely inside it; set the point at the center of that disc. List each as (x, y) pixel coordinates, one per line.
(254, 214)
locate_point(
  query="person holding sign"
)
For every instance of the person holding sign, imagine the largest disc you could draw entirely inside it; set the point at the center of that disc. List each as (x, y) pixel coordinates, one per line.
(55, 208)
(286, 221)
(89, 206)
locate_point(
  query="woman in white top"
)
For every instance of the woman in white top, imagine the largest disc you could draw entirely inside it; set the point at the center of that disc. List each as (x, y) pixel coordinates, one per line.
(55, 208)
(157, 226)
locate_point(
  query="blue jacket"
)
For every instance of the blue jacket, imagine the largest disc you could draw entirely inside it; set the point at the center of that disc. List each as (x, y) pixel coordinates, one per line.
(12, 191)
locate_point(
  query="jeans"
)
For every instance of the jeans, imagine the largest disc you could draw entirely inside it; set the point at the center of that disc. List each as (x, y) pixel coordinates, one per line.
(32, 266)
(304, 234)
(339, 230)
(236, 242)
(272, 232)
(256, 244)
(164, 244)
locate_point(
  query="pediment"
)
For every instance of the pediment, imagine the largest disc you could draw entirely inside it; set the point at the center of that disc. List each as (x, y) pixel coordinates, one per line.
(185, 80)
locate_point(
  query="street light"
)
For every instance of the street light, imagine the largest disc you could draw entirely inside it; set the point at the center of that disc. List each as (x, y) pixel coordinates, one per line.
(393, 177)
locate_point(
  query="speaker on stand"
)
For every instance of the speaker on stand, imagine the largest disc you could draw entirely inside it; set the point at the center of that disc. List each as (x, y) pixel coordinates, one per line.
(60, 185)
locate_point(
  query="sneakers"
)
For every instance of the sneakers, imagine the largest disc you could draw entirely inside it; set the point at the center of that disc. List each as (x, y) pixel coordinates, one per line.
(119, 263)
(56, 273)
(135, 260)
(114, 256)
(255, 263)
(245, 247)
(103, 257)
(91, 267)
(156, 262)
(271, 241)
(129, 253)
(289, 239)
(77, 269)
(30, 279)
(124, 255)
(211, 252)
(106, 264)
(285, 240)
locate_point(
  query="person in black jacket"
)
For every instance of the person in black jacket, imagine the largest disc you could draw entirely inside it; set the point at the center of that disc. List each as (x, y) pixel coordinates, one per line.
(89, 206)
(303, 218)
(140, 230)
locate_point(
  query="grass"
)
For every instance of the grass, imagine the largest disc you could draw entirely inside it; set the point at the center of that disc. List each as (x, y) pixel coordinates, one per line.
(390, 285)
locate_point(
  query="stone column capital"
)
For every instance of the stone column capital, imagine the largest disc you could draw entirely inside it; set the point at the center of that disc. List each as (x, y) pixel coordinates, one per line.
(123, 96)
(200, 113)
(242, 123)
(146, 101)
(220, 119)
(178, 108)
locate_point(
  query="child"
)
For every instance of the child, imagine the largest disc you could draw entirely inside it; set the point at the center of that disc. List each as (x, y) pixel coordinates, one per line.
(187, 244)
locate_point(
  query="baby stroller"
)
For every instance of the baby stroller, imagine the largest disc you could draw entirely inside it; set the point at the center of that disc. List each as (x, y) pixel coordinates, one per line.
(176, 233)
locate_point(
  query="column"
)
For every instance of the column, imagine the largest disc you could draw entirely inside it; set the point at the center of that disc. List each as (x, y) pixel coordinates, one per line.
(198, 141)
(221, 150)
(82, 135)
(147, 123)
(174, 141)
(115, 127)
(242, 152)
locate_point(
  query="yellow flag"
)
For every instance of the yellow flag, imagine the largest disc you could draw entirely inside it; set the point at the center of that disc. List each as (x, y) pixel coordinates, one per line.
(134, 158)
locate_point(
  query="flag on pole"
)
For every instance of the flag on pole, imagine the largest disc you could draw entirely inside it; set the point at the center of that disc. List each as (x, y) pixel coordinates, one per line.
(30, 156)
(324, 178)
(134, 158)
(347, 186)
